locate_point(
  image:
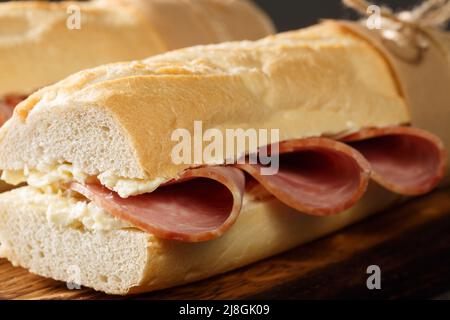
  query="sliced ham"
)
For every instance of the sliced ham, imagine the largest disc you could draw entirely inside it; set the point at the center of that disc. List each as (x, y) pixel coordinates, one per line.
(5, 112)
(7, 105)
(14, 99)
(317, 176)
(405, 160)
(201, 207)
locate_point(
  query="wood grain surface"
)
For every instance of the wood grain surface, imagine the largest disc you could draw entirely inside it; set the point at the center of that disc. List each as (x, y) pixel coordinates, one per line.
(410, 243)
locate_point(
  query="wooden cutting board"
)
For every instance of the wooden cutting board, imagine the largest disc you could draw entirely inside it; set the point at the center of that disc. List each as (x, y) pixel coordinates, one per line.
(410, 244)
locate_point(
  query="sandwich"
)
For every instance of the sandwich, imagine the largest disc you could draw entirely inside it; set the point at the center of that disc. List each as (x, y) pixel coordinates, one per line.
(115, 201)
(42, 42)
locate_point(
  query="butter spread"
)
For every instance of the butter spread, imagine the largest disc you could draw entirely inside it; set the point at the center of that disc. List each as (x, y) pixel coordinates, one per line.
(128, 187)
(72, 212)
(69, 210)
(49, 179)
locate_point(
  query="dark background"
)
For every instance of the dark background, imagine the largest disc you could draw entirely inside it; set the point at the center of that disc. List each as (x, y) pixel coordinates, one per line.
(292, 14)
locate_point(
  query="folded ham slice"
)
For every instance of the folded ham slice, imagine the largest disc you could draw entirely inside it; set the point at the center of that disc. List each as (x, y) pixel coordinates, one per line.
(202, 207)
(405, 160)
(14, 99)
(7, 105)
(317, 176)
(5, 112)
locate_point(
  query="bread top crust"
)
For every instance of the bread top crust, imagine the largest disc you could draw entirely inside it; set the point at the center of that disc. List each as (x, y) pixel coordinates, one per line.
(37, 48)
(320, 81)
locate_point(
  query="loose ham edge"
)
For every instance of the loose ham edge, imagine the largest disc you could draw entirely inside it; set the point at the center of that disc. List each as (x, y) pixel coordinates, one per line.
(389, 151)
(146, 218)
(341, 161)
(7, 105)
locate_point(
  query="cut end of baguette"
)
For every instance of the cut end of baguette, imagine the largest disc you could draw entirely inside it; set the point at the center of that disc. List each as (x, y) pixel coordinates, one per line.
(112, 262)
(89, 139)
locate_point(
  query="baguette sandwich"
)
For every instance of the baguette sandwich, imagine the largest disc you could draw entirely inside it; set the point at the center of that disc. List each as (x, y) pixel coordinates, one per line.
(108, 207)
(42, 42)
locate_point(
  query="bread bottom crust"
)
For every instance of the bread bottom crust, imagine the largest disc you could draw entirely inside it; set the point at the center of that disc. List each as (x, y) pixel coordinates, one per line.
(130, 261)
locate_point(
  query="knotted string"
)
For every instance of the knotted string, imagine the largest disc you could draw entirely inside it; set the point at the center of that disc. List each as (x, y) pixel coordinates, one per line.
(405, 30)
(431, 13)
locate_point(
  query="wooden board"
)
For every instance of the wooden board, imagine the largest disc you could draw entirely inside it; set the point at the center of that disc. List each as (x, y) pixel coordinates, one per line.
(410, 243)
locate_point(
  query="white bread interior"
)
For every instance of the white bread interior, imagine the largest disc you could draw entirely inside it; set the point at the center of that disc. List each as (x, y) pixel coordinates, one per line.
(130, 261)
(321, 81)
(37, 48)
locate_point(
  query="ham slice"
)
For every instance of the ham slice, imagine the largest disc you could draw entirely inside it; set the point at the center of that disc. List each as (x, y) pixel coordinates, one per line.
(13, 100)
(405, 160)
(202, 207)
(7, 105)
(5, 112)
(317, 176)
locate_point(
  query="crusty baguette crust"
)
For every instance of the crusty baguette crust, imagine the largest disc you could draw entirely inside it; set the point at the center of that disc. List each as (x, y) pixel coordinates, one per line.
(182, 23)
(37, 48)
(131, 261)
(313, 82)
(423, 83)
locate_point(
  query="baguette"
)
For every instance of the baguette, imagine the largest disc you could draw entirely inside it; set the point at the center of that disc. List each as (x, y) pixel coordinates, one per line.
(112, 124)
(37, 48)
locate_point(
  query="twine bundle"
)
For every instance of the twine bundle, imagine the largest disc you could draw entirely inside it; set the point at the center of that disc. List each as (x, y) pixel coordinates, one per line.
(405, 31)
(431, 13)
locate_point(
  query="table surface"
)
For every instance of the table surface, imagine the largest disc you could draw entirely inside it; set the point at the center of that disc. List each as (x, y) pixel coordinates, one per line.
(410, 244)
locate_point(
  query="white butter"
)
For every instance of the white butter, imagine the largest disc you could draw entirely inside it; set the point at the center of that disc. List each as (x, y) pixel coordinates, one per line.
(72, 212)
(13, 177)
(63, 173)
(49, 179)
(128, 187)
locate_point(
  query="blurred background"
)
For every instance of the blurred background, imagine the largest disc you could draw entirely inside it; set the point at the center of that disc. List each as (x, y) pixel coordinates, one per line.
(294, 14)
